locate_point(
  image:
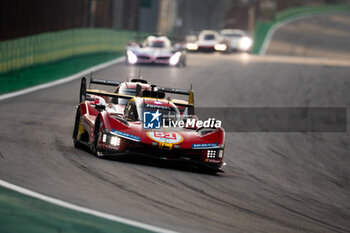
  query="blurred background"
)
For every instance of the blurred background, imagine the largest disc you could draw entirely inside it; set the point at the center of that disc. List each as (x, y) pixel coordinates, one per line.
(37, 31)
(20, 18)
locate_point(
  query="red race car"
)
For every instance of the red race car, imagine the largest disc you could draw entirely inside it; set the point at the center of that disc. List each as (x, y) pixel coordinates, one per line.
(145, 124)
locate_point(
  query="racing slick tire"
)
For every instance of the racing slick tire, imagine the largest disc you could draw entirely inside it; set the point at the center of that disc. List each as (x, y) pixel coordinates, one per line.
(76, 142)
(96, 136)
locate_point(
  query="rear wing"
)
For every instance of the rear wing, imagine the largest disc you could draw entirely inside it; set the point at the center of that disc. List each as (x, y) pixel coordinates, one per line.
(104, 82)
(114, 83)
(174, 90)
(84, 91)
(184, 107)
(179, 92)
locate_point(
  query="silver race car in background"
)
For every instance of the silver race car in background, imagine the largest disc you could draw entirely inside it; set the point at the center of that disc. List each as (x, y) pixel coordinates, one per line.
(228, 40)
(155, 50)
(236, 40)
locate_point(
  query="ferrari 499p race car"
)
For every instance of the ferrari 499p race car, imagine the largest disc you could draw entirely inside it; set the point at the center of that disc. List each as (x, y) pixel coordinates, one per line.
(112, 124)
(155, 50)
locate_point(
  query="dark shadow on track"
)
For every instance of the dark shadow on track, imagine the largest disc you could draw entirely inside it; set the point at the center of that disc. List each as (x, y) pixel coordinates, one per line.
(164, 164)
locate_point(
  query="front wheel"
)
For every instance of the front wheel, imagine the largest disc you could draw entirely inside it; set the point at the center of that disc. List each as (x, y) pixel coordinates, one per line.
(76, 142)
(96, 139)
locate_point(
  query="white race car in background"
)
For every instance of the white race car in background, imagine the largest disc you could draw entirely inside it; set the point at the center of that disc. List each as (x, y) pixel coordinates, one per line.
(208, 41)
(236, 40)
(155, 50)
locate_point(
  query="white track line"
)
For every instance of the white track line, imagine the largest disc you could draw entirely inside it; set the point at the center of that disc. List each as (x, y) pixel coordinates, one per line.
(60, 202)
(63, 80)
(82, 209)
(282, 23)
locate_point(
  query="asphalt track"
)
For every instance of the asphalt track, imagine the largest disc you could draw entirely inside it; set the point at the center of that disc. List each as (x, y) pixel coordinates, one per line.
(273, 182)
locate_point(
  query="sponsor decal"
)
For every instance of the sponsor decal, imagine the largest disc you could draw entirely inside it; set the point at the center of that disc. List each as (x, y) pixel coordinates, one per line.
(126, 135)
(204, 145)
(165, 137)
(157, 106)
(212, 161)
(151, 120)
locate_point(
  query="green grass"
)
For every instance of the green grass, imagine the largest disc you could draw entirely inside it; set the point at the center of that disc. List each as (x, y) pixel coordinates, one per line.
(260, 33)
(262, 28)
(297, 11)
(31, 76)
(20, 213)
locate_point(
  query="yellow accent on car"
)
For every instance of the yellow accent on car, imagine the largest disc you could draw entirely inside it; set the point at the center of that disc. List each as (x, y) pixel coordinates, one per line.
(167, 146)
(191, 98)
(81, 130)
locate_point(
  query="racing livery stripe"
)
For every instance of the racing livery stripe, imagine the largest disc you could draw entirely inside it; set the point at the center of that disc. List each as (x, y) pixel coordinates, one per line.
(126, 135)
(204, 145)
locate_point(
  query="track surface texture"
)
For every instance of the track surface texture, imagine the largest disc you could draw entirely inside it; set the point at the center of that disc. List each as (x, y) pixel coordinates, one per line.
(320, 36)
(273, 182)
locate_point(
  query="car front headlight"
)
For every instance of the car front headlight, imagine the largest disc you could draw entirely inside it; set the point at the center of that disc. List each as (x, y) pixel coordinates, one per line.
(245, 43)
(191, 46)
(221, 154)
(211, 154)
(132, 58)
(174, 59)
(111, 140)
(115, 141)
(215, 154)
(220, 47)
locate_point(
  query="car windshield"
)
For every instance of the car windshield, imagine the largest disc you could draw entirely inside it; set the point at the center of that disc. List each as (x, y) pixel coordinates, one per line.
(157, 44)
(209, 37)
(232, 35)
(124, 91)
(167, 112)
